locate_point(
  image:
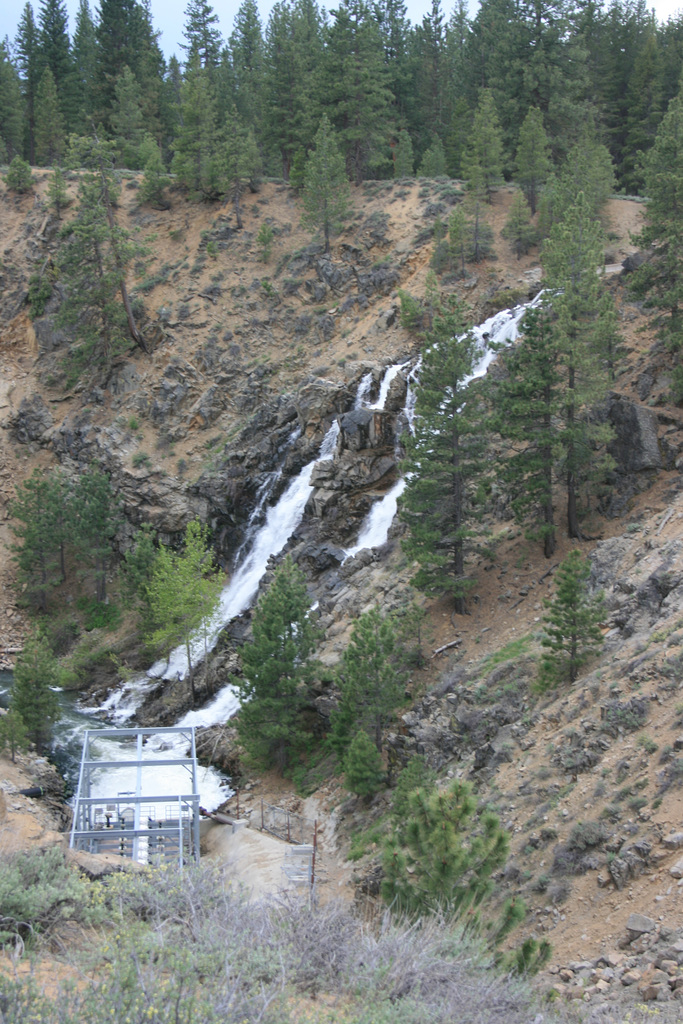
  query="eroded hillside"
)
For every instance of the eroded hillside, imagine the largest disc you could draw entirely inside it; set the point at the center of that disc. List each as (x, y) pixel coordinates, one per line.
(243, 354)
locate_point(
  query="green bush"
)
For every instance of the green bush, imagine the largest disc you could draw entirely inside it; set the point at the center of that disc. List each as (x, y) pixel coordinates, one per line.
(97, 614)
(39, 292)
(38, 891)
(18, 177)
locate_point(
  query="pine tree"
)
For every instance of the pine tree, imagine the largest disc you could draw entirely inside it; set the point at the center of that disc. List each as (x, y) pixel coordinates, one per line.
(354, 89)
(94, 519)
(155, 180)
(457, 134)
(532, 162)
(246, 51)
(292, 59)
(183, 594)
(13, 733)
(457, 240)
(273, 689)
(483, 160)
(404, 161)
(57, 193)
(55, 54)
(49, 124)
(660, 279)
(11, 109)
(84, 54)
(572, 621)
(33, 699)
(519, 231)
(363, 769)
(18, 177)
(28, 64)
(644, 112)
(527, 401)
(572, 257)
(203, 37)
(126, 119)
(41, 515)
(429, 47)
(434, 161)
(94, 261)
(443, 464)
(196, 148)
(397, 36)
(242, 163)
(448, 858)
(370, 683)
(326, 189)
(587, 169)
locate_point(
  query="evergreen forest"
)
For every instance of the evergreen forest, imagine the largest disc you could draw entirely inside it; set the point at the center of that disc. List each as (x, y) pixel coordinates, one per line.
(400, 98)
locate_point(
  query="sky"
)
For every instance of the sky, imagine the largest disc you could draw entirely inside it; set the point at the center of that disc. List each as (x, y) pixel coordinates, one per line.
(169, 15)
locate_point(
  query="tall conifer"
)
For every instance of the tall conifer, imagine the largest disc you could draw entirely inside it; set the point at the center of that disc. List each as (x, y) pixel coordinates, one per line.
(443, 464)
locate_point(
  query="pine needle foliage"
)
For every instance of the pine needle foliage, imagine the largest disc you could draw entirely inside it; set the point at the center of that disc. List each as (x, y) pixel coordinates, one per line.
(446, 862)
(326, 188)
(444, 457)
(33, 698)
(275, 667)
(571, 623)
(371, 685)
(363, 768)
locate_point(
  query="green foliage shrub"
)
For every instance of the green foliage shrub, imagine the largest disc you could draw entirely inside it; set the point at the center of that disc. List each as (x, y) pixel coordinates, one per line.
(363, 768)
(18, 177)
(264, 240)
(191, 949)
(97, 615)
(38, 891)
(39, 292)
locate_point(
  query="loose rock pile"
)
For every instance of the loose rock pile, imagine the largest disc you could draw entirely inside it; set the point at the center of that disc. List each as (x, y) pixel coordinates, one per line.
(648, 962)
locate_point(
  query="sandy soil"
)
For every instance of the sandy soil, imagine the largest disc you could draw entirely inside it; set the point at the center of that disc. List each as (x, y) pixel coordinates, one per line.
(25, 822)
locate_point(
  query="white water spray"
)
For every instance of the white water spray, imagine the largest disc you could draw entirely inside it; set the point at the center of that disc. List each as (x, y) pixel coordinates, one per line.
(267, 541)
(498, 331)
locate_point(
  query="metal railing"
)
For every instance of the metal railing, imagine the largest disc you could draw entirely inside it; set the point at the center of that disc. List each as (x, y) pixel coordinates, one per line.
(144, 828)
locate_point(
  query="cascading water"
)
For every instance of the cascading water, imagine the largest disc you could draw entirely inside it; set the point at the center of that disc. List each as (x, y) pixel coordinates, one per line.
(498, 331)
(267, 541)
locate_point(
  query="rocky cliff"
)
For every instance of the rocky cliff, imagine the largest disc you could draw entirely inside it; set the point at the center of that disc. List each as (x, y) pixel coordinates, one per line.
(250, 364)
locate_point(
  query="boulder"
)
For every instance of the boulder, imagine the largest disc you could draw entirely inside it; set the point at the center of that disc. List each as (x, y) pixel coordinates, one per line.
(639, 923)
(32, 420)
(636, 445)
(98, 865)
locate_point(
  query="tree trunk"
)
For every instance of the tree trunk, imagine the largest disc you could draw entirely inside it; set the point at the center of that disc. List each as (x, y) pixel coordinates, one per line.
(458, 518)
(190, 672)
(548, 511)
(236, 205)
(572, 515)
(132, 326)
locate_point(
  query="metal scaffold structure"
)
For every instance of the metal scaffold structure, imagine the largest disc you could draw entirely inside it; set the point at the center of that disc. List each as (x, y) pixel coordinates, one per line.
(145, 828)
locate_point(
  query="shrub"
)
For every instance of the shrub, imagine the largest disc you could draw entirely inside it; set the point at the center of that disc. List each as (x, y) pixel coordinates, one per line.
(18, 177)
(38, 891)
(39, 292)
(587, 834)
(363, 768)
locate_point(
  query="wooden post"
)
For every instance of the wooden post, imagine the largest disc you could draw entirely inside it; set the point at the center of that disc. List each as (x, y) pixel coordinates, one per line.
(238, 803)
(262, 814)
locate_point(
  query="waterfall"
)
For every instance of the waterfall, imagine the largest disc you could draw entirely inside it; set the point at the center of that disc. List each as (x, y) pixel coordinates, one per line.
(499, 330)
(265, 542)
